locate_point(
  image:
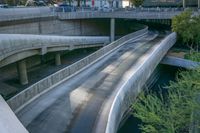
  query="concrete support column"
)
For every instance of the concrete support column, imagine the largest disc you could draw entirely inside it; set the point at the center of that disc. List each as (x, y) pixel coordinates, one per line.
(184, 3)
(58, 59)
(112, 29)
(198, 3)
(22, 72)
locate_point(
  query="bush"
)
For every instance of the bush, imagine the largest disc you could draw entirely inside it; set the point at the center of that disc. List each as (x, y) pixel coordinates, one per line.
(171, 111)
(187, 27)
(193, 55)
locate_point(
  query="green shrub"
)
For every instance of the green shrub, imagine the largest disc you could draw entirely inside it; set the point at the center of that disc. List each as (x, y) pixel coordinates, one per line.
(193, 55)
(171, 111)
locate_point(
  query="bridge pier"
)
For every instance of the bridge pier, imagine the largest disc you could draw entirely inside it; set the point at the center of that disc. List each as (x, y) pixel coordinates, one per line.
(112, 29)
(184, 3)
(22, 72)
(57, 59)
(198, 3)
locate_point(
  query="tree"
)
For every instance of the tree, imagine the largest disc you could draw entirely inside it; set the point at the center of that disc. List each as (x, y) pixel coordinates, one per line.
(187, 27)
(137, 3)
(173, 111)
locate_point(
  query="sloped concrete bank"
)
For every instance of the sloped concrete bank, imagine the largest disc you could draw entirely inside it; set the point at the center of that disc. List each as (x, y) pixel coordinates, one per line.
(8, 121)
(39, 88)
(131, 85)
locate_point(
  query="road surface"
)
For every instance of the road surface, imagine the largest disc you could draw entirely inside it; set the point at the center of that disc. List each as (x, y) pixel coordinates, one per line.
(84, 94)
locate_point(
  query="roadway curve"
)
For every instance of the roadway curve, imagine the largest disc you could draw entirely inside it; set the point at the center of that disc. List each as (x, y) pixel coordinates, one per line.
(14, 47)
(87, 92)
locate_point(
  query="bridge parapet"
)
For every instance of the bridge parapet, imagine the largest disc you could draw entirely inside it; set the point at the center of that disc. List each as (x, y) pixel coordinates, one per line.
(37, 89)
(119, 14)
(12, 14)
(18, 14)
(131, 84)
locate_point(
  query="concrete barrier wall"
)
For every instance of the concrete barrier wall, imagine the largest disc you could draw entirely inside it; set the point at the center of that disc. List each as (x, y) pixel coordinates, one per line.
(17, 102)
(118, 14)
(8, 121)
(12, 14)
(133, 81)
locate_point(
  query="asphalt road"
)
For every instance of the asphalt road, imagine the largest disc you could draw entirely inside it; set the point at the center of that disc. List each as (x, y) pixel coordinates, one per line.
(83, 95)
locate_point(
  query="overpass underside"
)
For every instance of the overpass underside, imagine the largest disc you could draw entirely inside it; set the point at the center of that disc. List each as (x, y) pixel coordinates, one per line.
(84, 102)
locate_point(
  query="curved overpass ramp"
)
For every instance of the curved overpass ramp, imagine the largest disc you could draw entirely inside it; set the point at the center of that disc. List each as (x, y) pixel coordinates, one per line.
(14, 47)
(94, 98)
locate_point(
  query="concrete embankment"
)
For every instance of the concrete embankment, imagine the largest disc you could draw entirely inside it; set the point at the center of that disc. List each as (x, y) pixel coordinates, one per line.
(8, 121)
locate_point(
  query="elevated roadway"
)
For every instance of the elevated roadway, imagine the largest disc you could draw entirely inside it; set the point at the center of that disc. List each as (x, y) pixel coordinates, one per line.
(86, 101)
(15, 47)
(19, 14)
(139, 15)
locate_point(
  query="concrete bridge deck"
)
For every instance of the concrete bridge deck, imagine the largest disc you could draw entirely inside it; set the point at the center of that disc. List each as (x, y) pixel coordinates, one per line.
(15, 14)
(139, 15)
(14, 47)
(79, 104)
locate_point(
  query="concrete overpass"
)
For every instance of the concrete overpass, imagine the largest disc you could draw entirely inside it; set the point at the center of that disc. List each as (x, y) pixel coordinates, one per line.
(19, 14)
(17, 47)
(98, 87)
(91, 95)
(139, 15)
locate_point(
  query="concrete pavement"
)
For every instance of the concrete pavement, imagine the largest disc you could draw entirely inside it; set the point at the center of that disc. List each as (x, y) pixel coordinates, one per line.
(75, 104)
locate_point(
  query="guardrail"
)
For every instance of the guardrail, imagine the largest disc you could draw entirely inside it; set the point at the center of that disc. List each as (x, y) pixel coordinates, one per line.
(23, 98)
(133, 81)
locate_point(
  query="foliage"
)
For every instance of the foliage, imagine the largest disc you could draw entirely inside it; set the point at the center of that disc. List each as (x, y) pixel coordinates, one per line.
(10, 2)
(170, 111)
(193, 55)
(187, 27)
(137, 3)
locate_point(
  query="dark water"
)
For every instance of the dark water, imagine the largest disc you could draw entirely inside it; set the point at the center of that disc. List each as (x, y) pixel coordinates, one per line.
(166, 74)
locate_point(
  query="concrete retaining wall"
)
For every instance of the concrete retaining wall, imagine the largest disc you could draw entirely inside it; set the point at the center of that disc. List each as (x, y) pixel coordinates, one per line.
(54, 26)
(32, 92)
(13, 14)
(132, 82)
(8, 121)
